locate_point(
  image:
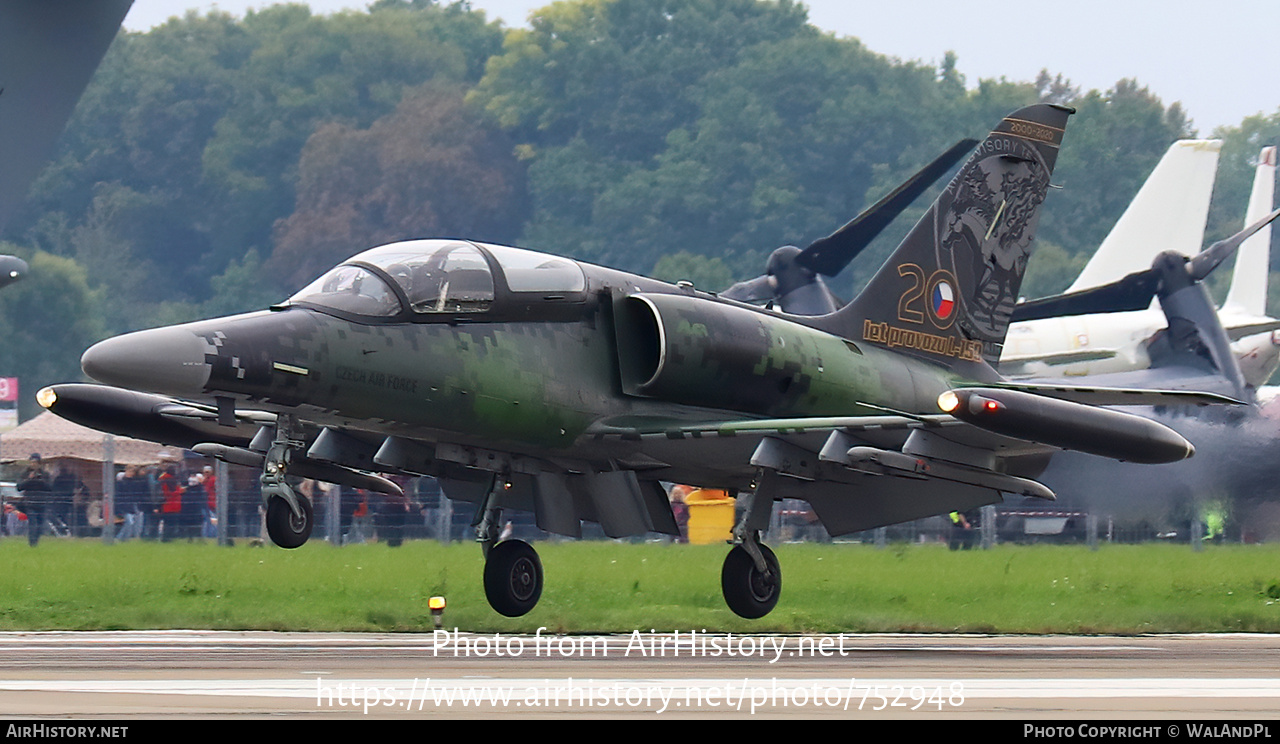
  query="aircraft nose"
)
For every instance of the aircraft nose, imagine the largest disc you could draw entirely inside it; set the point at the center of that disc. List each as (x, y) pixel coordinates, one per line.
(161, 360)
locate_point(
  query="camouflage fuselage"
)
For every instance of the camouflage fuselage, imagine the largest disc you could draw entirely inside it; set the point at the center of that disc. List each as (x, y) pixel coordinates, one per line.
(538, 386)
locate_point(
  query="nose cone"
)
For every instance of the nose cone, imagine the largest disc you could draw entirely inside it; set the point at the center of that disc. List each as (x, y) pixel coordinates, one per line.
(161, 360)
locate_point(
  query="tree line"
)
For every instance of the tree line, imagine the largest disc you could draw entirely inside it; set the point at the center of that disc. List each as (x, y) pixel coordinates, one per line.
(217, 164)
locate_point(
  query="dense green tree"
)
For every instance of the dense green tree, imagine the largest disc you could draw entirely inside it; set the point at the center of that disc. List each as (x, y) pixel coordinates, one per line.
(620, 74)
(1113, 143)
(426, 170)
(308, 70)
(49, 318)
(709, 274)
(183, 151)
(216, 163)
(596, 90)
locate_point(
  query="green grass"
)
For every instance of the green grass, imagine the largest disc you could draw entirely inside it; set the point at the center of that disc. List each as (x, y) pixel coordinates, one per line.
(604, 586)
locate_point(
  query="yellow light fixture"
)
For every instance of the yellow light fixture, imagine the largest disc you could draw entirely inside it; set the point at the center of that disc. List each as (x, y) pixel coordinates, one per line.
(46, 397)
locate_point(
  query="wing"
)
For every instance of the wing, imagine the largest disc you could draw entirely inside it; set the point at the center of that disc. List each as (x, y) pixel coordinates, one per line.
(1056, 357)
(857, 472)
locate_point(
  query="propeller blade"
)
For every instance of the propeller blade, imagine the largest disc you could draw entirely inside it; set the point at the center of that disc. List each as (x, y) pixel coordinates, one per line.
(763, 287)
(1207, 260)
(1134, 292)
(828, 256)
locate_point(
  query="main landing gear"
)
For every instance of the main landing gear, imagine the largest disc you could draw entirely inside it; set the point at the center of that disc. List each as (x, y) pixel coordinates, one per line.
(751, 578)
(290, 517)
(512, 577)
(751, 583)
(512, 569)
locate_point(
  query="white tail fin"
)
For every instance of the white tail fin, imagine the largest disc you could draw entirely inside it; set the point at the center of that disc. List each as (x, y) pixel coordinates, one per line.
(1169, 213)
(1248, 292)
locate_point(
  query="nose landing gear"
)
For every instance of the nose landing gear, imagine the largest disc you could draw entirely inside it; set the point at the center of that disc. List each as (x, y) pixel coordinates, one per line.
(290, 517)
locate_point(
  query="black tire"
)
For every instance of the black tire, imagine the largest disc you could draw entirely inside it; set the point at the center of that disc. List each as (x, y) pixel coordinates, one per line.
(748, 592)
(284, 528)
(512, 578)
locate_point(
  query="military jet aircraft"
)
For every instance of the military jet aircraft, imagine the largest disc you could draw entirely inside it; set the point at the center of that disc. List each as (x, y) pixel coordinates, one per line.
(528, 381)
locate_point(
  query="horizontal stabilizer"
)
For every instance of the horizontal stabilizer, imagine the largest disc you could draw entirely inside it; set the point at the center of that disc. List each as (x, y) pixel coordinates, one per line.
(1237, 332)
(1073, 356)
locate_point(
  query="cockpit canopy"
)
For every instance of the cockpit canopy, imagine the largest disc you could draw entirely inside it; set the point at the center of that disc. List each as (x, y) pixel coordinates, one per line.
(439, 277)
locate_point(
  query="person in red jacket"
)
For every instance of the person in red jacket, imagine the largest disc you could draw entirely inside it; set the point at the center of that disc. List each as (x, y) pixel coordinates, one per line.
(170, 504)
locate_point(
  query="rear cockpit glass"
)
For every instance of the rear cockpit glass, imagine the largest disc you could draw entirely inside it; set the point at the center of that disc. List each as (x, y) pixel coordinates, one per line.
(437, 276)
(529, 271)
(351, 289)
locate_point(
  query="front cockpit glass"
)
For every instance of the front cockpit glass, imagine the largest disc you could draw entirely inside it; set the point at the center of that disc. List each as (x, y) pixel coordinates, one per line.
(530, 271)
(437, 276)
(351, 289)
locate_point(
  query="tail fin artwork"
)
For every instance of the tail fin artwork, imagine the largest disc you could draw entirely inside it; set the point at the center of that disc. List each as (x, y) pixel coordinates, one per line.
(1167, 214)
(948, 290)
(1248, 293)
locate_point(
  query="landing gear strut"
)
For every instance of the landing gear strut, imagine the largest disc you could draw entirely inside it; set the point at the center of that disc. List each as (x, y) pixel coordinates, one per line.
(751, 578)
(512, 569)
(289, 516)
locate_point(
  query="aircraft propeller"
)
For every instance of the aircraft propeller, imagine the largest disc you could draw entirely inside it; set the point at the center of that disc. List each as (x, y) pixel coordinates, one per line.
(791, 275)
(1170, 272)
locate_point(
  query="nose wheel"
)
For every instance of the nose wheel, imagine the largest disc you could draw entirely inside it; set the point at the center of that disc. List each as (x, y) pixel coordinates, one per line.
(749, 591)
(287, 528)
(512, 577)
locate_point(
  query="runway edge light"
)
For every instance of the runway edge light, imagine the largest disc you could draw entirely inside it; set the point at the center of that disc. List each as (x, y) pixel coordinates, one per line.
(436, 605)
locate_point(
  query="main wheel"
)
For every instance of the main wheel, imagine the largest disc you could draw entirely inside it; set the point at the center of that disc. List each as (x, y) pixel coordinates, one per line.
(512, 578)
(285, 528)
(747, 591)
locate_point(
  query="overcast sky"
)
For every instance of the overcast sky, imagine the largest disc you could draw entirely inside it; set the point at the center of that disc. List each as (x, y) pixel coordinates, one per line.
(1221, 60)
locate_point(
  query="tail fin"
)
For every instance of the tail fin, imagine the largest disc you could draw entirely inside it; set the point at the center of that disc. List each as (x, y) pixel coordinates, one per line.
(1248, 293)
(1168, 214)
(947, 292)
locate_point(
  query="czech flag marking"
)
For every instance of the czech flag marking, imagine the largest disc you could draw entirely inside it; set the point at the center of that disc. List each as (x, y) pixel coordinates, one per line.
(944, 300)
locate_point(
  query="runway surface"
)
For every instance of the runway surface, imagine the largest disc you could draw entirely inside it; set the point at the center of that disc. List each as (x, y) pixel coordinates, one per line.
(214, 674)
